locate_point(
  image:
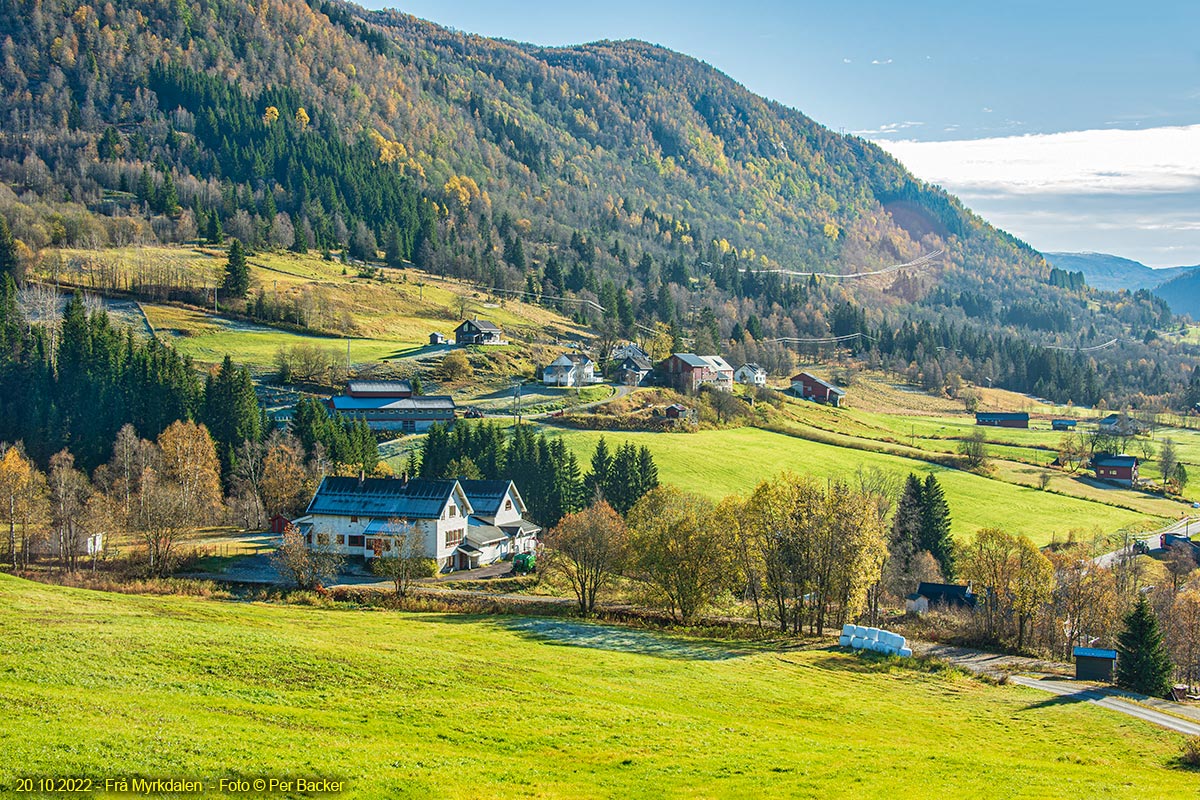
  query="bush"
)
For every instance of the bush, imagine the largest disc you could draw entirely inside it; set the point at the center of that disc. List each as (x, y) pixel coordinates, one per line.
(455, 366)
(1189, 754)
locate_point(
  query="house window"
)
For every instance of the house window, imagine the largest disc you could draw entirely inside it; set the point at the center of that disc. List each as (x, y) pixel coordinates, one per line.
(508, 505)
(341, 538)
(379, 545)
(322, 538)
(354, 519)
(356, 541)
(454, 538)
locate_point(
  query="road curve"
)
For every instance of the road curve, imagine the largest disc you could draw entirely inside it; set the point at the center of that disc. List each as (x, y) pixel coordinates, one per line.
(1111, 702)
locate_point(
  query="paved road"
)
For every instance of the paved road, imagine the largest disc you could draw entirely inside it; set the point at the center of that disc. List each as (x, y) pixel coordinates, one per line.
(1110, 700)
(1152, 542)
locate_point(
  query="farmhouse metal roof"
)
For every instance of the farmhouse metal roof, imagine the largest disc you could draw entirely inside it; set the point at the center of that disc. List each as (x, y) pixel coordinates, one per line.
(1115, 461)
(1019, 415)
(387, 498)
(485, 496)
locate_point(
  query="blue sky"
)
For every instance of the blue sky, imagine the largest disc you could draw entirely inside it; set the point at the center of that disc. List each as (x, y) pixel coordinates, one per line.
(928, 76)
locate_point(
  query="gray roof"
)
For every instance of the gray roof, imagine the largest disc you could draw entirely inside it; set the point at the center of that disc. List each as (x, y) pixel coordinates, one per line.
(692, 360)
(482, 324)
(387, 498)
(436, 402)
(750, 365)
(485, 496)
(483, 535)
(379, 386)
(636, 362)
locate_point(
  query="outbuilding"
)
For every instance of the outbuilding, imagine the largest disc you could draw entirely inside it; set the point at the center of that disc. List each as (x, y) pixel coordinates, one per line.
(1001, 419)
(1094, 664)
(1063, 424)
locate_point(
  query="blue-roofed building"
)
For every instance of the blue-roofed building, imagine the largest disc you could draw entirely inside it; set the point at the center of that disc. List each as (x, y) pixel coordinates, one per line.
(1094, 664)
(392, 406)
(365, 517)
(1002, 419)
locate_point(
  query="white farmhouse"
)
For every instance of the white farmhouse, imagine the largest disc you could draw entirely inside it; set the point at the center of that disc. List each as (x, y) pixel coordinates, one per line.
(751, 375)
(570, 369)
(364, 516)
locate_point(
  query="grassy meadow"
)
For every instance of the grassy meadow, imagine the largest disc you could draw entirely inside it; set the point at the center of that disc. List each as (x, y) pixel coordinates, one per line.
(386, 316)
(722, 462)
(434, 705)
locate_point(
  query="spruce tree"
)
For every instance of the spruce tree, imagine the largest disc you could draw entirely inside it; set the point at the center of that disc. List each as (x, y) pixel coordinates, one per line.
(935, 525)
(1142, 661)
(907, 521)
(237, 272)
(597, 479)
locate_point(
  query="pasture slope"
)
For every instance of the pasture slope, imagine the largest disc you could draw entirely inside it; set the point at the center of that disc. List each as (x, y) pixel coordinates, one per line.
(430, 705)
(722, 462)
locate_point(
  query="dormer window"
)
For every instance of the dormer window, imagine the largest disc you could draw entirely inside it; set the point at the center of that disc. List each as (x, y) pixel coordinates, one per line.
(508, 505)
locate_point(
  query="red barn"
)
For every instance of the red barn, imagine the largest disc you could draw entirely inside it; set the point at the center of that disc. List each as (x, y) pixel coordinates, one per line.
(278, 523)
(810, 387)
(1120, 469)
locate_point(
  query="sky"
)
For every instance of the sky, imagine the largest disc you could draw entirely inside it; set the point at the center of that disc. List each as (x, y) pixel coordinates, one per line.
(1073, 125)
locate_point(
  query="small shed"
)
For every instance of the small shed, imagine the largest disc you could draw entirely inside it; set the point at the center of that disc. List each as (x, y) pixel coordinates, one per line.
(437, 338)
(1094, 664)
(676, 411)
(279, 523)
(1062, 424)
(999, 419)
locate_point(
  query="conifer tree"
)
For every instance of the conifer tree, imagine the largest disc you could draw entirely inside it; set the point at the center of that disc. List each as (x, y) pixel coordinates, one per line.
(1143, 664)
(935, 525)
(237, 272)
(597, 479)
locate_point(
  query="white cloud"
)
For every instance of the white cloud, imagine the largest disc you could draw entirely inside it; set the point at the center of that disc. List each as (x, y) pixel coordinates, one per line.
(1077, 162)
(1135, 193)
(845, 61)
(889, 128)
(877, 61)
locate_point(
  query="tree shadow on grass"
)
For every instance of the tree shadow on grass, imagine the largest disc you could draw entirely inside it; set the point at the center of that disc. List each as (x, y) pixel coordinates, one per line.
(576, 633)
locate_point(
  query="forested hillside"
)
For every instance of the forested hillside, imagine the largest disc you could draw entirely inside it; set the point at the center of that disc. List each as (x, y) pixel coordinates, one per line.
(616, 172)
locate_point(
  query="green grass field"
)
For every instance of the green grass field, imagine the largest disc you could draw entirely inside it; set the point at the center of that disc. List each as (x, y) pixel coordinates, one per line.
(429, 705)
(722, 462)
(384, 318)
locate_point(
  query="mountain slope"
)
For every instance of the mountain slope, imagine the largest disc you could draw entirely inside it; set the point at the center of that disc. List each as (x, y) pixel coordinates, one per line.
(1179, 286)
(625, 183)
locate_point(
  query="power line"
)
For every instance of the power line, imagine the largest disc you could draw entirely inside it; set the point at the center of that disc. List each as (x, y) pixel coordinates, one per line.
(919, 263)
(516, 293)
(1092, 349)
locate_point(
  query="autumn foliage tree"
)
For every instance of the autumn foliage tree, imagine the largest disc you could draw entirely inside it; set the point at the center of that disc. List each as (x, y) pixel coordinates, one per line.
(588, 548)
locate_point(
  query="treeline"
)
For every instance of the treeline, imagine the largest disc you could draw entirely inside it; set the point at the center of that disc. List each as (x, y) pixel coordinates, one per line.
(547, 474)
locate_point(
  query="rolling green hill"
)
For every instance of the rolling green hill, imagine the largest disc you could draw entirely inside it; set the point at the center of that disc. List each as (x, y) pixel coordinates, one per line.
(431, 705)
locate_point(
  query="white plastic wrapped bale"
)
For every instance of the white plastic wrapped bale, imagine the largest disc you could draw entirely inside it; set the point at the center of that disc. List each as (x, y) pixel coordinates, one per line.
(848, 629)
(860, 631)
(844, 640)
(873, 633)
(858, 642)
(905, 652)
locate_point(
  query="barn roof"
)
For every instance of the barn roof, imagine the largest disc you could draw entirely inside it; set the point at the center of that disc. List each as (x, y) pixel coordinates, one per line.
(808, 376)
(1105, 460)
(485, 496)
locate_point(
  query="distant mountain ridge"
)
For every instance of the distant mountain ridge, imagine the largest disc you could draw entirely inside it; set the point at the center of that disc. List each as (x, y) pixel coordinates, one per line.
(1179, 286)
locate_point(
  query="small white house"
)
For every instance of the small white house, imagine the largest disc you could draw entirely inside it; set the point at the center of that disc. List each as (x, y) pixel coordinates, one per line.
(570, 369)
(751, 375)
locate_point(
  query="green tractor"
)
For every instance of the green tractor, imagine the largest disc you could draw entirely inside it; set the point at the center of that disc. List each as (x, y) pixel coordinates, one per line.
(524, 563)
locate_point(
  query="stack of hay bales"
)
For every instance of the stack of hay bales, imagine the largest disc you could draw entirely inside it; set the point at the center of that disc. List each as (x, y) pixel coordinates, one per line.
(858, 637)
